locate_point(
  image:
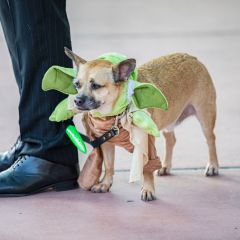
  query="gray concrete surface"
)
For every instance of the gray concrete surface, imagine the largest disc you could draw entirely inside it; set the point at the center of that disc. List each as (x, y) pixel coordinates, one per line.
(189, 206)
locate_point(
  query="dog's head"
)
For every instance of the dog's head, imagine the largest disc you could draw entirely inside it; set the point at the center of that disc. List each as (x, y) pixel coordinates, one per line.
(99, 82)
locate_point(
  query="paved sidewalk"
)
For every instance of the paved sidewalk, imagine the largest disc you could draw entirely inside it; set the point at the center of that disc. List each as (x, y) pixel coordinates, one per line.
(189, 206)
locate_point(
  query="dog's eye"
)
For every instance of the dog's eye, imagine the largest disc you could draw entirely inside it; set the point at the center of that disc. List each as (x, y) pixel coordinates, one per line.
(77, 84)
(95, 86)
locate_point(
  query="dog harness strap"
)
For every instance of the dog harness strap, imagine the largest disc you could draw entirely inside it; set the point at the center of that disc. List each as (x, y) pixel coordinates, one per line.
(114, 131)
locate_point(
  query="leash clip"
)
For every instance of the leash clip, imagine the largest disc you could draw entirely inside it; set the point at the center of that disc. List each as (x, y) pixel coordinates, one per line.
(115, 128)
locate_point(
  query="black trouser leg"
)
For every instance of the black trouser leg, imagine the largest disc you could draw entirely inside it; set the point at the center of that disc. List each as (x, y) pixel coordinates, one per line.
(36, 32)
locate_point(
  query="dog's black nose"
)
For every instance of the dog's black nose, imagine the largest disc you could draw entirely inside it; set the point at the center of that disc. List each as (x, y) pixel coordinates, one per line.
(79, 100)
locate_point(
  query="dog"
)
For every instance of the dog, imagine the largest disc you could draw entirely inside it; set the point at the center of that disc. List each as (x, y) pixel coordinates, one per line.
(184, 81)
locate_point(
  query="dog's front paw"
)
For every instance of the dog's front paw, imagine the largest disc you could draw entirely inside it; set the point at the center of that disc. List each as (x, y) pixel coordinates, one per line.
(163, 171)
(147, 195)
(211, 170)
(100, 188)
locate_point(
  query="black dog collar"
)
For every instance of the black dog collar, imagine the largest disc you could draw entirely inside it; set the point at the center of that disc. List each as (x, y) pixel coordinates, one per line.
(114, 131)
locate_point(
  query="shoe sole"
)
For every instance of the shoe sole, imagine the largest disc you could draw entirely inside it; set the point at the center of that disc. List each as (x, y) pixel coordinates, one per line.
(58, 187)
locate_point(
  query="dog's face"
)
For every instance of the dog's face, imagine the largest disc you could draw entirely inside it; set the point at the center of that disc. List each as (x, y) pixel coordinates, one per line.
(98, 82)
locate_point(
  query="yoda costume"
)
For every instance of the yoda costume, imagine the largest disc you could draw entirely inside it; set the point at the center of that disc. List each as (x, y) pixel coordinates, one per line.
(137, 129)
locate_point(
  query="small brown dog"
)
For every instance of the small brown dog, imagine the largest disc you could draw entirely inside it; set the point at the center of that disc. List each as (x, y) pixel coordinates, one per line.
(184, 81)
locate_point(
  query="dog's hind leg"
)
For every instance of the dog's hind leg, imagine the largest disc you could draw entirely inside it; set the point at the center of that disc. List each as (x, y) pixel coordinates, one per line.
(206, 114)
(108, 151)
(170, 141)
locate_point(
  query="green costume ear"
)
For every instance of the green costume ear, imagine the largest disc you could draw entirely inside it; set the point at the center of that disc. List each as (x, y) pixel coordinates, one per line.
(61, 112)
(60, 79)
(146, 95)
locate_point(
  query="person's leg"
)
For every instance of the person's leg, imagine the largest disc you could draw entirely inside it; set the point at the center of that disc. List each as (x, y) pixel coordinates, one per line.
(36, 32)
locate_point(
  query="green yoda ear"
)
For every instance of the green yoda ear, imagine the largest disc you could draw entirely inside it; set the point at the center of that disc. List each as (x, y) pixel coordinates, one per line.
(146, 95)
(60, 79)
(61, 112)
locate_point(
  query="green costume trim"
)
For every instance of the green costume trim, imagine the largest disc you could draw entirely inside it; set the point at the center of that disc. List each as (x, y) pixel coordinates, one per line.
(141, 95)
(116, 58)
(61, 112)
(143, 120)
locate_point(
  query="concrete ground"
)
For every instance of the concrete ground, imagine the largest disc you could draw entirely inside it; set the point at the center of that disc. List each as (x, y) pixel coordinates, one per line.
(189, 206)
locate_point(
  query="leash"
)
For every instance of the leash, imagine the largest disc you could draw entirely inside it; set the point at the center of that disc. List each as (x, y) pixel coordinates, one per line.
(79, 139)
(114, 131)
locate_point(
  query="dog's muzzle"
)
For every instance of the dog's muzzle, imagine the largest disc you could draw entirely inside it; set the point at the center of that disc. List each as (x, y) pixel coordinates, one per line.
(86, 103)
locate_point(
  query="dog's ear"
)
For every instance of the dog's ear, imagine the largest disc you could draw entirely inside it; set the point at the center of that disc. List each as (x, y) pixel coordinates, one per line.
(74, 57)
(122, 71)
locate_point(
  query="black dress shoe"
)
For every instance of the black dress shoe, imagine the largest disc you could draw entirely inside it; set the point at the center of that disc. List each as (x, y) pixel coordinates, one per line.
(30, 175)
(9, 157)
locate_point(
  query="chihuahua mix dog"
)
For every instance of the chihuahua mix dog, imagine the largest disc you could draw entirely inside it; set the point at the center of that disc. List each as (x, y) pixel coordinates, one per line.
(184, 81)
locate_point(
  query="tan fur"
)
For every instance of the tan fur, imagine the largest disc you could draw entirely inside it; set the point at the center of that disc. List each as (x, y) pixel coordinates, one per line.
(189, 90)
(101, 72)
(185, 82)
